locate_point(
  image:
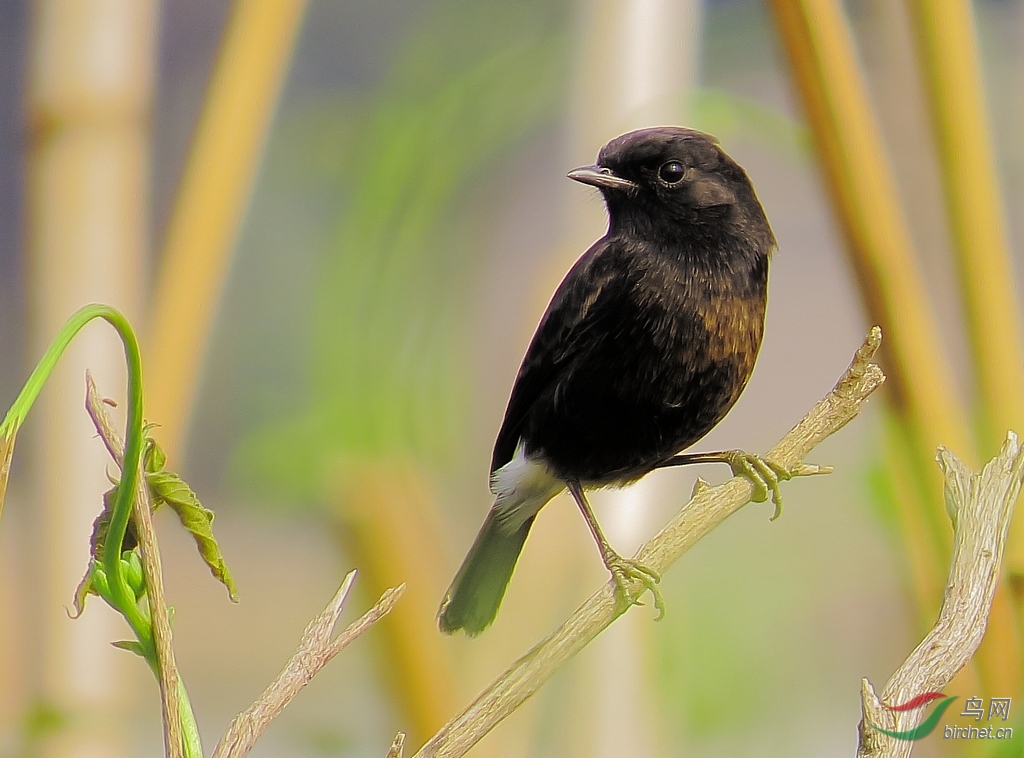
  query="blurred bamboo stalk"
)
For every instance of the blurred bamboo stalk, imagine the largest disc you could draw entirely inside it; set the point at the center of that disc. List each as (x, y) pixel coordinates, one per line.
(636, 63)
(827, 78)
(214, 191)
(825, 70)
(948, 50)
(91, 75)
(389, 526)
(912, 502)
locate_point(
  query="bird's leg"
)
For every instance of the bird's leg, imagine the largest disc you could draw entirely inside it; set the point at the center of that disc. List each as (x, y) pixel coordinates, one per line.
(623, 570)
(764, 474)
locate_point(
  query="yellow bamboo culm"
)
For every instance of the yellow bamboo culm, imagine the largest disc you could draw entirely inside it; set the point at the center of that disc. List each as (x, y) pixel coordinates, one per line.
(948, 50)
(211, 200)
(388, 519)
(947, 47)
(824, 67)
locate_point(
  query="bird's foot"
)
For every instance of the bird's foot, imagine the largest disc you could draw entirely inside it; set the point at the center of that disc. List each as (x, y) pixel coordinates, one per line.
(625, 571)
(763, 473)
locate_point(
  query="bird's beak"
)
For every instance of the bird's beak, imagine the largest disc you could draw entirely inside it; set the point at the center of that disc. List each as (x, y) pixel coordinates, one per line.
(599, 176)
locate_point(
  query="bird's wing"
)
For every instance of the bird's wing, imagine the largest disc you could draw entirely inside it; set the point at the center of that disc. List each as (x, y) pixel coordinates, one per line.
(573, 320)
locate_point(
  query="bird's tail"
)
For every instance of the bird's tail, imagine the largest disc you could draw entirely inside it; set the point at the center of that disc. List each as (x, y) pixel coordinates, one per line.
(472, 601)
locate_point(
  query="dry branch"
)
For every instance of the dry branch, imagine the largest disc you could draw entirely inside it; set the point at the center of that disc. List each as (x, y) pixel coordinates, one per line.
(708, 507)
(316, 649)
(142, 520)
(980, 506)
(397, 746)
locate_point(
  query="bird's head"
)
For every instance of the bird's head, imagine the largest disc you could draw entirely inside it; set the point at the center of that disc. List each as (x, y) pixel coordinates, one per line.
(669, 180)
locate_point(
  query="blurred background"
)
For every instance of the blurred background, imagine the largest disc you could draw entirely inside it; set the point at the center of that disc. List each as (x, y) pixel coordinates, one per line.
(336, 225)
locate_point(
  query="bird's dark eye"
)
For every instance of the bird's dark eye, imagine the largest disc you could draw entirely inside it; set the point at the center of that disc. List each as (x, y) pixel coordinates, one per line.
(672, 172)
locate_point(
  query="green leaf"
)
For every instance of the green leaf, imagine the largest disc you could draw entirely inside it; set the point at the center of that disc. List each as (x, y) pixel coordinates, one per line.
(131, 646)
(93, 583)
(170, 489)
(6, 452)
(131, 570)
(101, 526)
(154, 457)
(166, 488)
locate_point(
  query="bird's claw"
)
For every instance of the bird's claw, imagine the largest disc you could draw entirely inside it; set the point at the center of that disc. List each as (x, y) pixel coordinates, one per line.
(625, 571)
(763, 473)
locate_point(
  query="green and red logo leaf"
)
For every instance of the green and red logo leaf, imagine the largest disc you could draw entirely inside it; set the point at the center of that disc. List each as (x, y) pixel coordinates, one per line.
(925, 727)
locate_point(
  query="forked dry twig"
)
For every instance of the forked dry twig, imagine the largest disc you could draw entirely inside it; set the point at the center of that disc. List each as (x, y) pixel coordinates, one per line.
(315, 650)
(980, 505)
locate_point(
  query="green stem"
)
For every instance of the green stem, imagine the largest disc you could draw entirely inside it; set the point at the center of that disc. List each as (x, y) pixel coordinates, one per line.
(189, 729)
(123, 598)
(119, 595)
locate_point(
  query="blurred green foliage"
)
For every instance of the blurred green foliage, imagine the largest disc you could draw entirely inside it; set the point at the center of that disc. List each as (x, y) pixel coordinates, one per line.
(720, 662)
(388, 367)
(729, 116)
(41, 720)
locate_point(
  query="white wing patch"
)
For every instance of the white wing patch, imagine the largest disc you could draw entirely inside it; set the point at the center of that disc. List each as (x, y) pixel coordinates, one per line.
(523, 486)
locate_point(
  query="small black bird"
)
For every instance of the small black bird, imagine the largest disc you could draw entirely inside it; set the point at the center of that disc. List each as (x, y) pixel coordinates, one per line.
(646, 345)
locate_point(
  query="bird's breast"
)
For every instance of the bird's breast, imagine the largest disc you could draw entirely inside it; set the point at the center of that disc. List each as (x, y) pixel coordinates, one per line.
(699, 326)
(667, 364)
